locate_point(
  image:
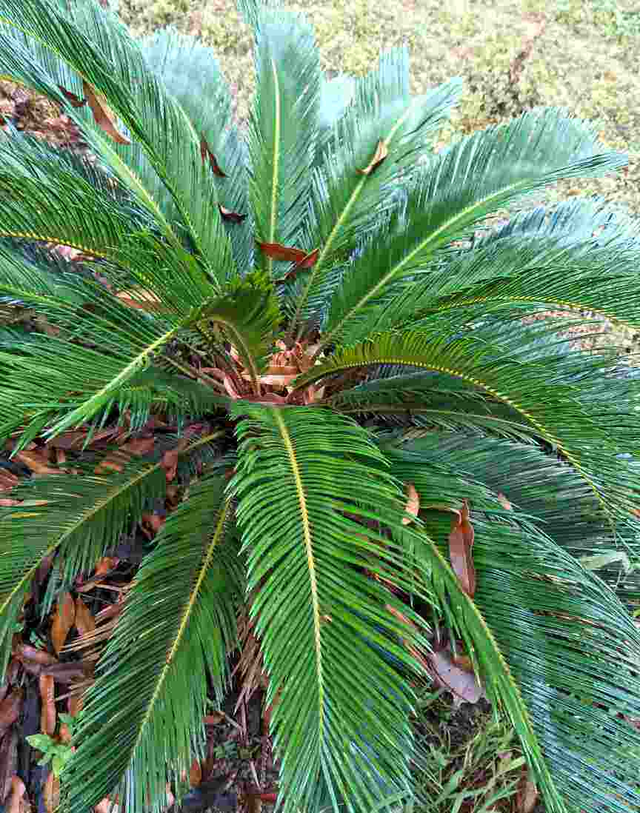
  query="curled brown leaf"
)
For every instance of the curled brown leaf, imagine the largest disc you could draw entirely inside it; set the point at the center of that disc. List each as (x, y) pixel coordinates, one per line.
(378, 157)
(230, 216)
(206, 154)
(63, 620)
(460, 551)
(48, 705)
(103, 115)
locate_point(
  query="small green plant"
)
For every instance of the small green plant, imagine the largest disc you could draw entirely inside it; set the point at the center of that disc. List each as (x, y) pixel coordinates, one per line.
(58, 753)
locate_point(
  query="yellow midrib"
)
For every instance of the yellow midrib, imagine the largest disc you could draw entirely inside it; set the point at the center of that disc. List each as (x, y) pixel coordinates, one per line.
(311, 565)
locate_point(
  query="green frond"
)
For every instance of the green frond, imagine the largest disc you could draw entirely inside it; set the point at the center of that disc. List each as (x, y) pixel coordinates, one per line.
(75, 383)
(249, 315)
(76, 516)
(432, 399)
(542, 630)
(50, 196)
(192, 75)
(347, 205)
(582, 257)
(544, 391)
(298, 473)
(173, 635)
(282, 130)
(549, 492)
(461, 186)
(163, 166)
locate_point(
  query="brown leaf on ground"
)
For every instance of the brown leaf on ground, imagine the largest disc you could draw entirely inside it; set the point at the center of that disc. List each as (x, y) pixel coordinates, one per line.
(67, 672)
(460, 551)
(527, 795)
(51, 793)
(84, 621)
(206, 154)
(413, 502)
(8, 762)
(103, 115)
(378, 157)
(461, 683)
(229, 216)
(10, 709)
(37, 461)
(63, 620)
(7, 480)
(48, 715)
(16, 803)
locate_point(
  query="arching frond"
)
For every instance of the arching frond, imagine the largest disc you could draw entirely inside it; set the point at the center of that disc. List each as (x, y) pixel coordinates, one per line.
(192, 75)
(348, 204)
(48, 196)
(432, 398)
(78, 516)
(544, 391)
(542, 630)
(461, 186)
(582, 257)
(548, 491)
(282, 131)
(162, 165)
(174, 633)
(298, 473)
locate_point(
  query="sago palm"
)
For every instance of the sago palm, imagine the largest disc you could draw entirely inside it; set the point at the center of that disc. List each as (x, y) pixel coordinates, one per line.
(370, 371)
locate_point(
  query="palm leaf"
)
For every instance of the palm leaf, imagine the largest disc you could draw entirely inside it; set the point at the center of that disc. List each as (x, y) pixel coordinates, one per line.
(571, 261)
(461, 186)
(298, 471)
(181, 613)
(543, 390)
(78, 516)
(282, 130)
(534, 483)
(542, 630)
(192, 75)
(348, 204)
(165, 154)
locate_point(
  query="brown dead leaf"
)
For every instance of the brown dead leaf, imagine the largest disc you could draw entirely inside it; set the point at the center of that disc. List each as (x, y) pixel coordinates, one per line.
(461, 683)
(63, 620)
(105, 566)
(206, 154)
(48, 708)
(84, 621)
(102, 114)
(460, 551)
(152, 523)
(74, 101)
(378, 157)
(413, 502)
(7, 480)
(213, 719)
(8, 762)
(276, 251)
(10, 709)
(36, 461)
(195, 774)
(18, 791)
(140, 299)
(51, 793)
(527, 796)
(66, 672)
(229, 216)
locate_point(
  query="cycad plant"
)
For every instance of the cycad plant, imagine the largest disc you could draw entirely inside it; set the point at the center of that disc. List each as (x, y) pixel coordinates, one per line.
(364, 383)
